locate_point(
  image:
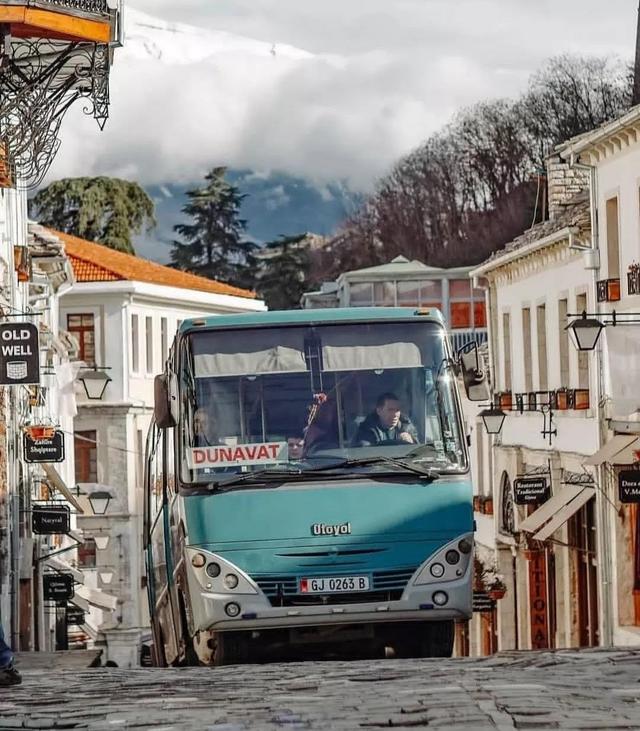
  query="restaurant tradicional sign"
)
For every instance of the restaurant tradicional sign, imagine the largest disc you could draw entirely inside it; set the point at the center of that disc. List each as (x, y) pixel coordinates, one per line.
(629, 486)
(19, 354)
(49, 449)
(530, 490)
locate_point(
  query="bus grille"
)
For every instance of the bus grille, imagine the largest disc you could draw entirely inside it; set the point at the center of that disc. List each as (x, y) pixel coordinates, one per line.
(282, 591)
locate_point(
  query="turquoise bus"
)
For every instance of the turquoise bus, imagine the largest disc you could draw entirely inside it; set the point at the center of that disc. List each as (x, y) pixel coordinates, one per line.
(307, 488)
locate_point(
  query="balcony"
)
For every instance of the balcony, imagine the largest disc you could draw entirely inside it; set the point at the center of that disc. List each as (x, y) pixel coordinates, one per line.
(608, 290)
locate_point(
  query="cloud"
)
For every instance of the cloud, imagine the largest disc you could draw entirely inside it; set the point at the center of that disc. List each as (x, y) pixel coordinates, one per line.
(337, 90)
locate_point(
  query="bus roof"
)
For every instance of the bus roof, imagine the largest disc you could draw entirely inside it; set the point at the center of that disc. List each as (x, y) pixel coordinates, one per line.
(304, 317)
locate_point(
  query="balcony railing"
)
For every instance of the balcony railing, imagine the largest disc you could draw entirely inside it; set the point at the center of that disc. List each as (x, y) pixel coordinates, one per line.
(92, 7)
(460, 338)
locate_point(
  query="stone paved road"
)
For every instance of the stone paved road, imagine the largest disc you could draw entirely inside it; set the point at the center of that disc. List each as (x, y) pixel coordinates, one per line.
(596, 689)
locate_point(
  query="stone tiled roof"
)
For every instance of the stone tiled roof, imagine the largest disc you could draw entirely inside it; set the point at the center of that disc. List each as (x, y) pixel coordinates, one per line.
(96, 263)
(575, 213)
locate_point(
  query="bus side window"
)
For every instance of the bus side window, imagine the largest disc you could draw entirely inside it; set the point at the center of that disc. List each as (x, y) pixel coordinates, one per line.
(169, 436)
(155, 478)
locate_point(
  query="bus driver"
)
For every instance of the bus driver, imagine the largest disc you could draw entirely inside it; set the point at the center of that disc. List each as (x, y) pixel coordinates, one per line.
(385, 424)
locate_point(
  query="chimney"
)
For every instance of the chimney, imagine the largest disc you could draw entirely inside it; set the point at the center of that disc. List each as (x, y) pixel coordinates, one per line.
(563, 183)
(635, 99)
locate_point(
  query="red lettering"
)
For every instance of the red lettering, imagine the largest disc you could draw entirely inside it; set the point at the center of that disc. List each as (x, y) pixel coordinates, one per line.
(198, 456)
(251, 452)
(263, 452)
(274, 449)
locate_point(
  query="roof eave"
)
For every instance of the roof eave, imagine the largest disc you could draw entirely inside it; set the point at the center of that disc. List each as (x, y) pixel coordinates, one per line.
(574, 147)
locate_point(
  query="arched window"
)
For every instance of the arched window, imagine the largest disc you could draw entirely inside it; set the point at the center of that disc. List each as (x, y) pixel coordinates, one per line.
(507, 522)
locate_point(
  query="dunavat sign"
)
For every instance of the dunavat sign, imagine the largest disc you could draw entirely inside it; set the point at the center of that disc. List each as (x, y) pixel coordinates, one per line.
(19, 354)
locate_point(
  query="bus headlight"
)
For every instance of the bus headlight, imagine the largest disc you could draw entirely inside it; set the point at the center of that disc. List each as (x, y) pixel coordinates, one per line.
(452, 557)
(232, 609)
(198, 560)
(465, 546)
(437, 570)
(440, 598)
(231, 581)
(213, 570)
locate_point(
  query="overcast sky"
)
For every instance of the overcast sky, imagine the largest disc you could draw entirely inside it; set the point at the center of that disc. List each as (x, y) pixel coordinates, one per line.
(337, 89)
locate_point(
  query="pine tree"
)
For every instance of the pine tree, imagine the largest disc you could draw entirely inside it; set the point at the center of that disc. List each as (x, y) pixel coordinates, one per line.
(105, 210)
(285, 275)
(212, 244)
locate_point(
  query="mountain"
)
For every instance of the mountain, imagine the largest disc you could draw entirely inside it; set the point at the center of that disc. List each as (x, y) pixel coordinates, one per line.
(276, 204)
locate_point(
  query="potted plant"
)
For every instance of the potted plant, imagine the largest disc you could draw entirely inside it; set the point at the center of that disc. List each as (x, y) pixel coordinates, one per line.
(488, 505)
(581, 399)
(505, 400)
(562, 399)
(497, 589)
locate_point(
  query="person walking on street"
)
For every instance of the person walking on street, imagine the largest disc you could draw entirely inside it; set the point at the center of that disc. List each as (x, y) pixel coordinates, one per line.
(8, 673)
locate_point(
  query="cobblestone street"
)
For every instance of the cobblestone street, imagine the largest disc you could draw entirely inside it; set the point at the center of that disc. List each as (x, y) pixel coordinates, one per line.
(594, 689)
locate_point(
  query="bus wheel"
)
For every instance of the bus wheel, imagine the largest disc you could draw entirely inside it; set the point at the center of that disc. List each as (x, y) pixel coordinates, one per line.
(231, 648)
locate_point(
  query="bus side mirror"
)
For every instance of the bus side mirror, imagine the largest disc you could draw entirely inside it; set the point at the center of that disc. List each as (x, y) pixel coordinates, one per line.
(162, 410)
(473, 376)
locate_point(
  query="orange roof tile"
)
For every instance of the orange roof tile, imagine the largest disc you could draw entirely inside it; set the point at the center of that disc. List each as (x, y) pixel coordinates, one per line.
(96, 263)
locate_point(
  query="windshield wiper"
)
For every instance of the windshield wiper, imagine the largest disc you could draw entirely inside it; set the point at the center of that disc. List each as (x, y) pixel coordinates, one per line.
(366, 461)
(250, 476)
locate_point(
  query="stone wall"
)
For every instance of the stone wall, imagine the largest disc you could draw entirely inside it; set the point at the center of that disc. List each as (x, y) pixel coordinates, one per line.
(564, 183)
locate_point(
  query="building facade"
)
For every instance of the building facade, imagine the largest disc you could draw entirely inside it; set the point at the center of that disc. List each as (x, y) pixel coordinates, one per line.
(123, 313)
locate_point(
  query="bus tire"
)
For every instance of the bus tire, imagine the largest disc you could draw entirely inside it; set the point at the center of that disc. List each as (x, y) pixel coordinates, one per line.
(190, 655)
(439, 639)
(232, 648)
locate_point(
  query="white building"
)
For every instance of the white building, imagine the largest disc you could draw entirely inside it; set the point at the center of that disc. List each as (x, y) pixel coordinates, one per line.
(124, 312)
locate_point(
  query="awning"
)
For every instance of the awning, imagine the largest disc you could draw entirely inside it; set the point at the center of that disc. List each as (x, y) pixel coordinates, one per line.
(66, 568)
(96, 597)
(58, 483)
(610, 451)
(556, 511)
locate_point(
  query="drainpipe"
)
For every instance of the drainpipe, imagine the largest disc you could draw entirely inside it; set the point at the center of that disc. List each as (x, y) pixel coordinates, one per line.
(602, 503)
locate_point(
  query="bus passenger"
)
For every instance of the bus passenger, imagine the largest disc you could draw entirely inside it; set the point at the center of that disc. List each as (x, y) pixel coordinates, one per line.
(205, 429)
(385, 424)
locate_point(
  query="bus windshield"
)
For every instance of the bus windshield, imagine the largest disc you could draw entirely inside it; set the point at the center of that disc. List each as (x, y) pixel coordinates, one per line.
(308, 397)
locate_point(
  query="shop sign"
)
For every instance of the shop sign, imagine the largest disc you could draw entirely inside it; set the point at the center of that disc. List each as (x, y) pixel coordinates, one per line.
(50, 519)
(19, 354)
(50, 449)
(482, 602)
(530, 490)
(538, 602)
(629, 486)
(57, 587)
(75, 615)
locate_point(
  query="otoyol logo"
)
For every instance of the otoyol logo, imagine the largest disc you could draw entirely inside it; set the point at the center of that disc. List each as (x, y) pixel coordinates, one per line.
(324, 529)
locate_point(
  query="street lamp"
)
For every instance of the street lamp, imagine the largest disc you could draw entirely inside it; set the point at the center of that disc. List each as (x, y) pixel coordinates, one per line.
(95, 382)
(101, 542)
(100, 502)
(106, 577)
(493, 419)
(585, 332)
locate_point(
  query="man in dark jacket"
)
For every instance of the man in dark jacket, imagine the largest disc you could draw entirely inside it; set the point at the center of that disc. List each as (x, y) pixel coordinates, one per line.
(386, 423)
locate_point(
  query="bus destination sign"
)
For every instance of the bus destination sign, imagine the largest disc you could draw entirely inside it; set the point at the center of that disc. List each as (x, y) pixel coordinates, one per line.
(19, 354)
(50, 449)
(629, 486)
(530, 490)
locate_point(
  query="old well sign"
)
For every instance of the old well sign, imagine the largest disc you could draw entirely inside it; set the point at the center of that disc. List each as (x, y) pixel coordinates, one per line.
(629, 486)
(19, 354)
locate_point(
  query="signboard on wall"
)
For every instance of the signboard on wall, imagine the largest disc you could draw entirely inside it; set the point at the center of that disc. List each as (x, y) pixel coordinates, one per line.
(482, 602)
(538, 601)
(74, 615)
(44, 450)
(530, 490)
(629, 486)
(19, 354)
(50, 519)
(57, 587)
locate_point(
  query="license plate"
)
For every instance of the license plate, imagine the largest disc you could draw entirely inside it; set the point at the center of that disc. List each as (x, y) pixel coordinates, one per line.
(334, 584)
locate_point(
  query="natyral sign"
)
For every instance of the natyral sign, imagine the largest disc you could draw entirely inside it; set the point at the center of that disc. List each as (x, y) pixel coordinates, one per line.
(44, 450)
(530, 490)
(50, 519)
(19, 354)
(629, 486)
(74, 615)
(57, 587)
(482, 602)
(238, 455)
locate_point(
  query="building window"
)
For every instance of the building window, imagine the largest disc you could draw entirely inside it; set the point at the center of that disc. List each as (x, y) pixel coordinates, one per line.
(583, 356)
(460, 305)
(82, 327)
(384, 294)
(613, 243)
(87, 554)
(86, 456)
(164, 340)
(563, 308)
(526, 342)
(149, 341)
(361, 294)
(506, 340)
(135, 344)
(541, 327)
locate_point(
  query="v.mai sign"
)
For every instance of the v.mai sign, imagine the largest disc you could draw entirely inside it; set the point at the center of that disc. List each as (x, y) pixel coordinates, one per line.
(629, 486)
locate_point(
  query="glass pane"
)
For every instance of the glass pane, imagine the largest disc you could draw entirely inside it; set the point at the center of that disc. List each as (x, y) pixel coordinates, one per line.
(479, 314)
(383, 294)
(361, 293)
(431, 291)
(74, 320)
(460, 314)
(409, 293)
(460, 288)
